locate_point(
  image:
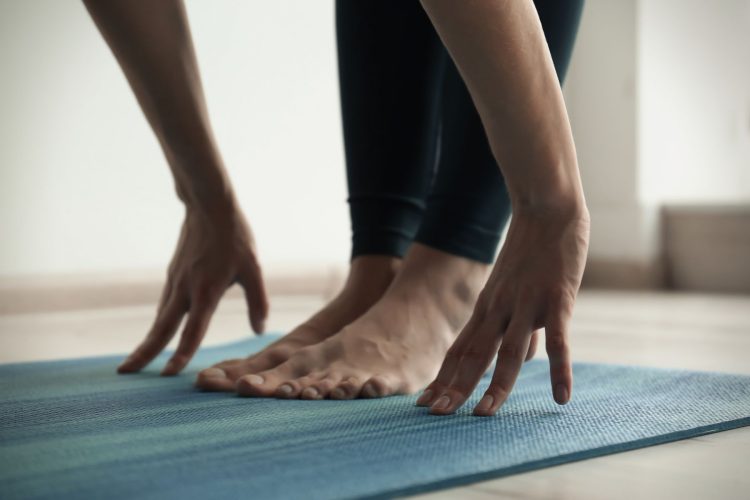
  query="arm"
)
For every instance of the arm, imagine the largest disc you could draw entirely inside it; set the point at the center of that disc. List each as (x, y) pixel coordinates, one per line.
(152, 43)
(500, 50)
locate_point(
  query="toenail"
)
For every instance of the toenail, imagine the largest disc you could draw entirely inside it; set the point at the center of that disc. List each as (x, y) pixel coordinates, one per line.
(442, 403)
(486, 403)
(255, 379)
(338, 393)
(369, 391)
(213, 373)
(425, 397)
(285, 389)
(310, 392)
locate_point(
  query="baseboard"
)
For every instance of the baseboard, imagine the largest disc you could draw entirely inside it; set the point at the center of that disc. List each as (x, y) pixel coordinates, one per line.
(707, 248)
(704, 249)
(26, 295)
(624, 274)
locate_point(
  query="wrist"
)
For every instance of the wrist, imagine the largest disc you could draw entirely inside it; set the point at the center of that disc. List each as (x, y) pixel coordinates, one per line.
(549, 188)
(560, 204)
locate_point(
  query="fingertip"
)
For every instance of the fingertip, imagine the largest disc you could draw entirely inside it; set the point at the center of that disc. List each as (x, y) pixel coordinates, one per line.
(426, 398)
(561, 394)
(173, 367)
(259, 325)
(129, 365)
(484, 407)
(124, 369)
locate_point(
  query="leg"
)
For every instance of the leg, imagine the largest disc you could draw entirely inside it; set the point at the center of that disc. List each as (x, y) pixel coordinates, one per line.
(398, 344)
(468, 206)
(388, 53)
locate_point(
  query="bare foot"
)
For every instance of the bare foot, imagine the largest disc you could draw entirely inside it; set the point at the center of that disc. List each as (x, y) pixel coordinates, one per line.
(396, 347)
(369, 277)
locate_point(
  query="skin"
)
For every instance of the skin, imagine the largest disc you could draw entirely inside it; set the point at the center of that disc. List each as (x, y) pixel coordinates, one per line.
(500, 50)
(369, 278)
(391, 339)
(395, 347)
(152, 43)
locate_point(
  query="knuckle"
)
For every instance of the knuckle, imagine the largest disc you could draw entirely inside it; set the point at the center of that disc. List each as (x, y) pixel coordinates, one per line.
(555, 342)
(511, 350)
(474, 353)
(526, 295)
(561, 298)
(204, 292)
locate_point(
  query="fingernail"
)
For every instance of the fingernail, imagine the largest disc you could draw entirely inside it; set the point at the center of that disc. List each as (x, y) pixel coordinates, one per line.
(486, 403)
(338, 393)
(255, 379)
(285, 389)
(310, 392)
(561, 394)
(442, 403)
(425, 397)
(369, 391)
(213, 373)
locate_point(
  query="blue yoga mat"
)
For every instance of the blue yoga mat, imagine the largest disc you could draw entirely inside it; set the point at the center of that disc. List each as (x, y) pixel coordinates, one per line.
(75, 429)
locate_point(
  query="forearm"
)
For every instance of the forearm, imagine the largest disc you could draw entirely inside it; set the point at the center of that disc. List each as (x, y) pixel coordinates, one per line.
(501, 52)
(152, 43)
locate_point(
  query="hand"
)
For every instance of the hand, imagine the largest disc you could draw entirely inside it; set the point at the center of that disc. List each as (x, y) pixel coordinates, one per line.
(213, 252)
(533, 285)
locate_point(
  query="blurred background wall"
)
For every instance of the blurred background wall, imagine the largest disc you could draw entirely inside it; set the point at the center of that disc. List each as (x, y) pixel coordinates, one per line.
(658, 94)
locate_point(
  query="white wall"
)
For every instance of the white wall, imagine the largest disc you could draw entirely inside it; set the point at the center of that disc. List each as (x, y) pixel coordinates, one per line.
(658, 93)
(602, 99)
(659, 99)
(83, 184)
(694, 101)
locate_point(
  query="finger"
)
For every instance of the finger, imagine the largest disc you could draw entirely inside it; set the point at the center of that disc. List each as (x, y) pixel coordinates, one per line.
(471, 367)
(450, 362)
(162, 331)
(561, 371)
(532, 345)
(195, 329)
(256, 297)
(165, 294)
(514, 347)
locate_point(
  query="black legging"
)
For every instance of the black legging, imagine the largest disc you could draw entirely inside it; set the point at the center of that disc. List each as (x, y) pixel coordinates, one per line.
(419, 165)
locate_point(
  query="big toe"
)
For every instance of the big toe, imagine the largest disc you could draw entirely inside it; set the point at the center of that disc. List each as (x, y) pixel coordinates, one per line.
(379, 386)
(214, 379)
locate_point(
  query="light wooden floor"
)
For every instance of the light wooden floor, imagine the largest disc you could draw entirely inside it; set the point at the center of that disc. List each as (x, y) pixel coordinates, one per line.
(669, 330)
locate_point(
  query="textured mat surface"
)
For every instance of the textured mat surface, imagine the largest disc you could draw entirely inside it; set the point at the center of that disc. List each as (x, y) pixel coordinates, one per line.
(74, 429)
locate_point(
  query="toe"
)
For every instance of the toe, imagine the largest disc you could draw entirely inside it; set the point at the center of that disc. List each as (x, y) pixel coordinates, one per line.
(298, 388)
(265, 360)
(266, 383)
(316, 386)
(214, 379)
(325, 385)
(378, 386)
(289, 390)
(348, 388)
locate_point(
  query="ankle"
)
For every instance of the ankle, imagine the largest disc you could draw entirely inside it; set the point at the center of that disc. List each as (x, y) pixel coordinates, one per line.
(372, 274)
